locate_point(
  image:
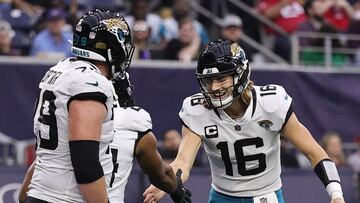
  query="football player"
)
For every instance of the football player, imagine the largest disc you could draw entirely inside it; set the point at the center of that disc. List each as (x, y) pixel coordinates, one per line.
(52, 178)
(240, 125)
(134, 138)
(73, 120)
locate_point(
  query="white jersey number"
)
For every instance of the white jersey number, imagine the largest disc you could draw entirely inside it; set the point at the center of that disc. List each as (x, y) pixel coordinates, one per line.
(241, 158)
(47, 117)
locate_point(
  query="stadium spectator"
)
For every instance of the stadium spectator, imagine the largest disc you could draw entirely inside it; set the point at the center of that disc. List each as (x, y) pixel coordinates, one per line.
(6, 35)
(315, 22)
(287, 14)
(30, 9)
(171, 143)
(181, 9)
(231, 29)
(140, 11)
(354, 28)
(250, 24)
(332, 144)
(186, 47)
(337, 13)
(354, 158)
(141, 37)
(240, 125)
(53, 42)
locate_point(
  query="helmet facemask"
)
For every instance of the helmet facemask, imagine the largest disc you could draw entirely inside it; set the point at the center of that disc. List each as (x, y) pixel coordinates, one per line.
(123, 89)
(120, 53)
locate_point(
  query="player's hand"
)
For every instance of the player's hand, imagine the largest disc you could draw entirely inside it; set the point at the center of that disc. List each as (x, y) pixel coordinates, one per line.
(338, 200)
(153, 194)
(181, 194)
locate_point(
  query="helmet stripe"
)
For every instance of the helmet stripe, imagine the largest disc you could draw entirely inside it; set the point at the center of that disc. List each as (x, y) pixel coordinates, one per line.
(84, 53)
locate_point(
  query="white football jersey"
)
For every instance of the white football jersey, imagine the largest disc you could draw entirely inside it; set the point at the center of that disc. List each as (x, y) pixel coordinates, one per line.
(54, 179)
(130, 124)
(244, 153)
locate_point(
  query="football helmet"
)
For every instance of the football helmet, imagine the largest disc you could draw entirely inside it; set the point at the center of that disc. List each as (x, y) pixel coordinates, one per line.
(104, 36)
(123, 89)
(219, 58)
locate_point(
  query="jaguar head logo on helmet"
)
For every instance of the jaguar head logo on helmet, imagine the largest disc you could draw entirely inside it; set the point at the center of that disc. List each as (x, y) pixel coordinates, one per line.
(104, 36)
(219, 59)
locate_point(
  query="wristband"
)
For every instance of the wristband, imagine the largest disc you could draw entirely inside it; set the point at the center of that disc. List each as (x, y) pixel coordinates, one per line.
(334, 190)
(329, 176)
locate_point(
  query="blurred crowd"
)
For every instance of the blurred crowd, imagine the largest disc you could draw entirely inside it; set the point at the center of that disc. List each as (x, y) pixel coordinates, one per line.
(172, 30)
(343, 157)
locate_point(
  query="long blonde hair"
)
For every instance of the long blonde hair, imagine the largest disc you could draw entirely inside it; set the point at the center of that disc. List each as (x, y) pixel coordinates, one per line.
(246, 94)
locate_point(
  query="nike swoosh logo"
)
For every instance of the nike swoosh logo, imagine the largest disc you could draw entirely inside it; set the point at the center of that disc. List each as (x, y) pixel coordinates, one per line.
(93, 83)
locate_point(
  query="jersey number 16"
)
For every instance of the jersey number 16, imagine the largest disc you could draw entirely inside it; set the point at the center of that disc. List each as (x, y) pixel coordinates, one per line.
(241, 159)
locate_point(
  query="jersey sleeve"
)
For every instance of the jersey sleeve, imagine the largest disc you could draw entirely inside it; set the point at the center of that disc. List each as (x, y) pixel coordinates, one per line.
(278, 106)
(133, 119)
(191, 112)
(85, 82)
(143, 120)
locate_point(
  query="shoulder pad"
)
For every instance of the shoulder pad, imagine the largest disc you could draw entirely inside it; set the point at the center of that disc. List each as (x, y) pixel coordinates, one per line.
(82, 77)
(192, 109)
(272, 97)
(132, 118)
(193, 105)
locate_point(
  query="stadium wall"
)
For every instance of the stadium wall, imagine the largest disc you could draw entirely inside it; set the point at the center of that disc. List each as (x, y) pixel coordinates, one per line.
(323, 100)
(299, 186)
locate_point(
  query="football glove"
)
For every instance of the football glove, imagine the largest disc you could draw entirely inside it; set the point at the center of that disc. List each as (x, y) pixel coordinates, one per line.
(181, 194)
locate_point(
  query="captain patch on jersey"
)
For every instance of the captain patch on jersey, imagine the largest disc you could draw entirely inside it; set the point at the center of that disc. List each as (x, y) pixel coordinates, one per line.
(242, 151)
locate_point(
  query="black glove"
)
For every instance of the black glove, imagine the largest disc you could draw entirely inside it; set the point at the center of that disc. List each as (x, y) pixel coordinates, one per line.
(181, 194)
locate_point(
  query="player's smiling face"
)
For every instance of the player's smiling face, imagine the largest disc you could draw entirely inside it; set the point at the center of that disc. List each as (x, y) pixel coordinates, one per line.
(219, 87)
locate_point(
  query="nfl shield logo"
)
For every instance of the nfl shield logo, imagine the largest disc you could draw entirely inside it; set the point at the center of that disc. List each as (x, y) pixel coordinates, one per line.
(92, 35)
(263, 200)
(78, 28)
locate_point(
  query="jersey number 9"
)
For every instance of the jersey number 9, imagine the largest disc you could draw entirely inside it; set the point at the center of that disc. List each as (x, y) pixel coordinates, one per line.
(47, 117)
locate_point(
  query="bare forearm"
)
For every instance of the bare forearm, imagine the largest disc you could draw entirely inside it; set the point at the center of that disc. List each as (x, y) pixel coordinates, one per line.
(180, 163)
(94, 192)
(165, 181)
(316, 155)
(188, 149)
